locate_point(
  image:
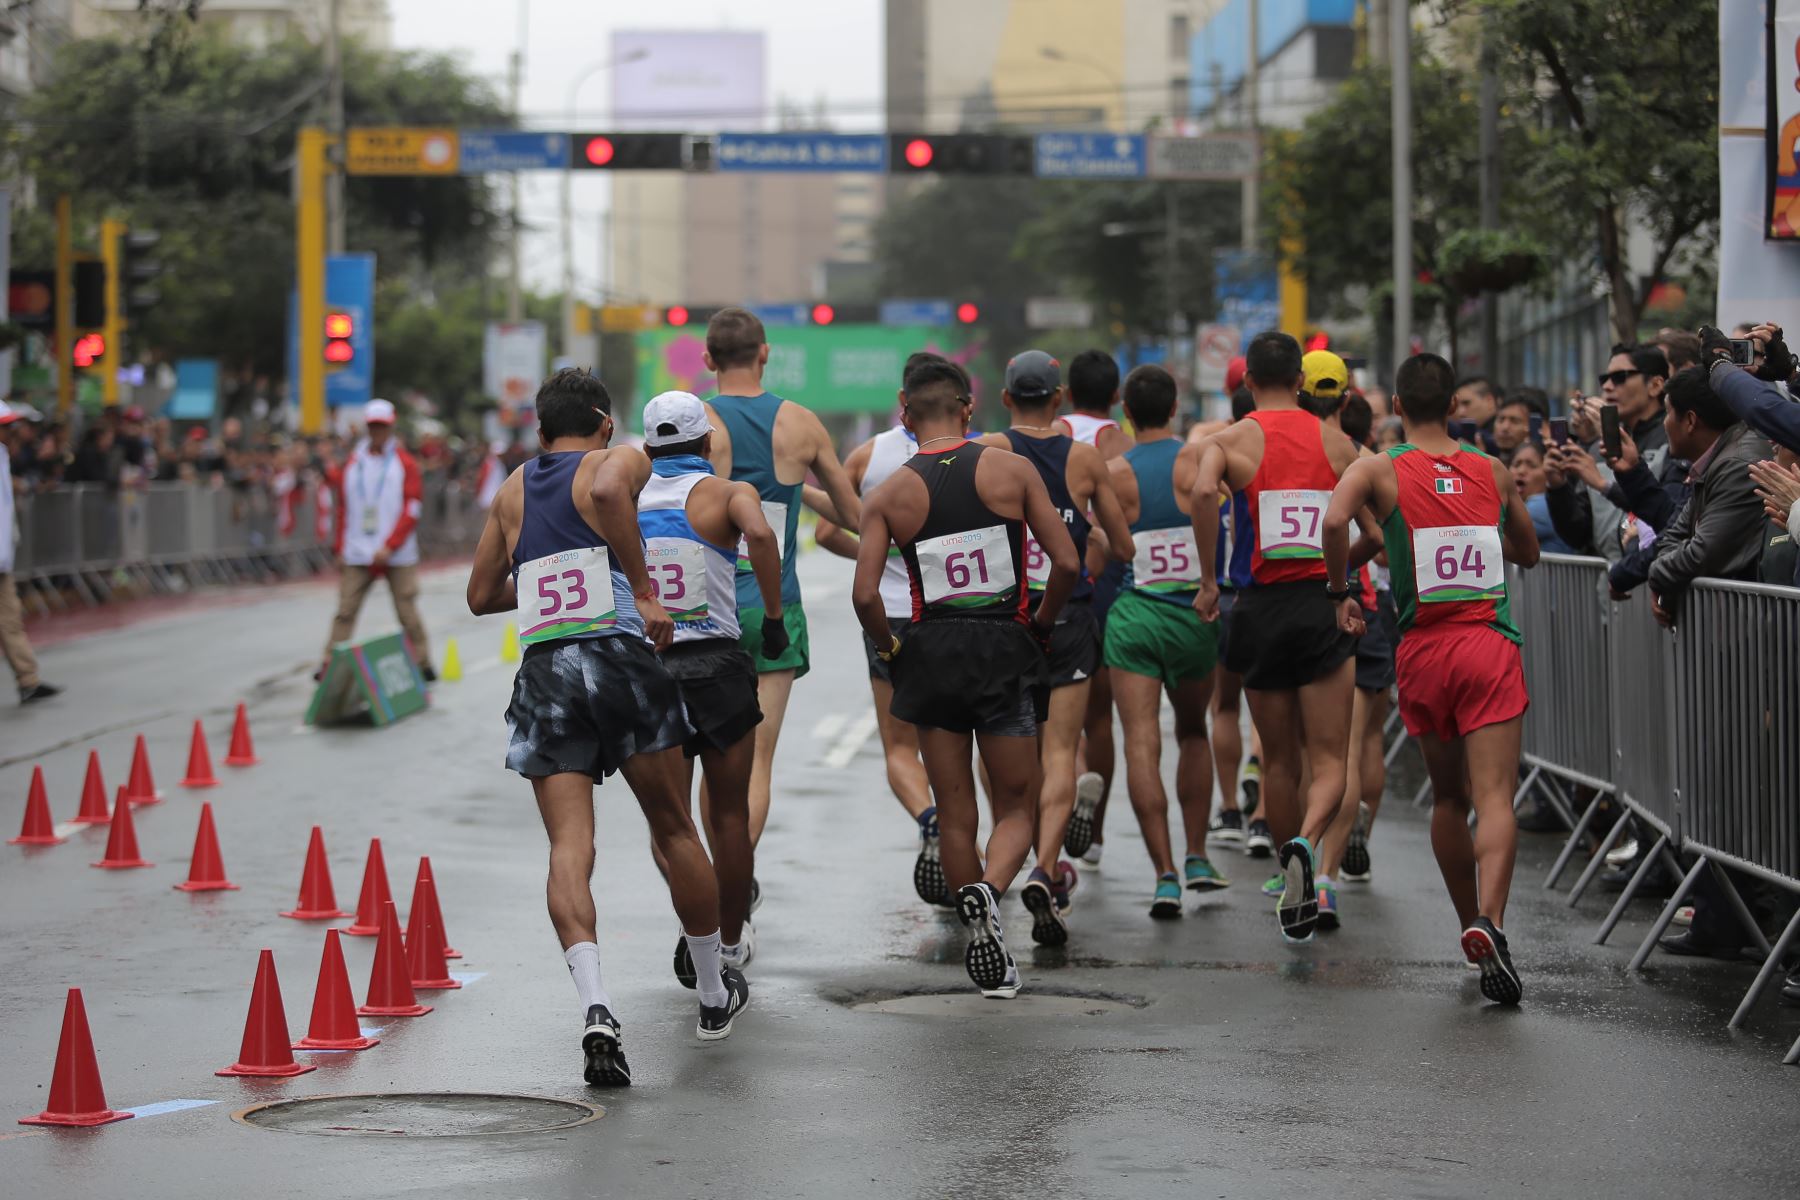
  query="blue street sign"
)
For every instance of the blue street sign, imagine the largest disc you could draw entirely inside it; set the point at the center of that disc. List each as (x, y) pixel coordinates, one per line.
(349, 288)
(915, 312)
(512, 150)
(800, 152)
(1091, 156)
(783, 314)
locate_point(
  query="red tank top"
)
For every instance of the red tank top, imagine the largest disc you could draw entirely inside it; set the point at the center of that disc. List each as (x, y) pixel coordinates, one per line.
(1444, 540)
(1288, 497)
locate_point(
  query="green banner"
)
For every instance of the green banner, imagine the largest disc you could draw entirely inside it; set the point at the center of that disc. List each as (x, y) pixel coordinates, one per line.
(375, 681)
(829, 369)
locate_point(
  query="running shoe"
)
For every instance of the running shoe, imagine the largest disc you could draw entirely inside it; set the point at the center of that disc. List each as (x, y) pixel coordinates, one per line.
(1328, 913)
(1356, 850)
(1064, 887)
(1091, 860)
(986, 959)
(1047, 926)
(604, 1050)
(715, 1023)
(1623, 854)
(1298, 908)
(1683, 915)
(1485, 946)
(427, 672)
(755, 894)
(1166, 904)
(685, 974)
(1273, 884)
(928, 868)
(1260, 843)
(1088, 789)
(43, 691)
(1202, 876)
(1250, 783)
(1009, 986)
(746, 949)
(1227, 827)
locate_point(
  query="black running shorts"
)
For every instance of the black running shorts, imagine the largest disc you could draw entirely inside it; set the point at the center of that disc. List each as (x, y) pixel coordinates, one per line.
(1375, 648)
(1285, 635)
(1074, 645)
(877, 668)
(718, 685)
(586, 705)
(971, 675)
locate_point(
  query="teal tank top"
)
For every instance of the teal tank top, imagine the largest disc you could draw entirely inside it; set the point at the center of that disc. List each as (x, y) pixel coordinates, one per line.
(750, 421)
(1167, 564)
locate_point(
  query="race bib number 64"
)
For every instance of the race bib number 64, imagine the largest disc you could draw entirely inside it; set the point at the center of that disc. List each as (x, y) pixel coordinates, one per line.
(1458, 562)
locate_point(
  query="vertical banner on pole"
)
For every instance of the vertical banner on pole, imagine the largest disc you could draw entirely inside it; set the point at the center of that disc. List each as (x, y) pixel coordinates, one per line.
(1759, 123)
(1783, 128)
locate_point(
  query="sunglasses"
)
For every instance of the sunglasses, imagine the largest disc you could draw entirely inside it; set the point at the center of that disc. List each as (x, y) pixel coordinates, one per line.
(1617, 378)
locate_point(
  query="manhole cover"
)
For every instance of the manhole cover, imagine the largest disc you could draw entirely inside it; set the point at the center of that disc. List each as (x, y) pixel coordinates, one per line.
(972, 1004)
(419, 1114)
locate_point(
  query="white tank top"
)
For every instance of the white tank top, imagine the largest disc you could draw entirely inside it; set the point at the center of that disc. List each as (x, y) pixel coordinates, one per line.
(695, 580)
(888, 454)
(1084, 428)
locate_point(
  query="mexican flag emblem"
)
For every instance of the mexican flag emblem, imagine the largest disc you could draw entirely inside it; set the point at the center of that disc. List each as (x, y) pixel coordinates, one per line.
(1449, 487)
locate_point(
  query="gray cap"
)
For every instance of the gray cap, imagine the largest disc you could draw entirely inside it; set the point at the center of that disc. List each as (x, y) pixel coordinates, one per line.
(1032, 375)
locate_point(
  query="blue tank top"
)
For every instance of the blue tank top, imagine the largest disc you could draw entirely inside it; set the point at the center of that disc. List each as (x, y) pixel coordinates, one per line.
(550, 524)
(1237, 541)
(1051, 458)
(1166, 566)
(750, 421)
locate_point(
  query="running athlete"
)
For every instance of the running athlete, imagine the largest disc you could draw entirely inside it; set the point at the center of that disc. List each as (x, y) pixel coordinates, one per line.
(771, 443)
(1093, 393)
(1451, 515)
(1156, 642)
(972, 666)
(1077, 480)
(692, 522)
(1285, 639)
(562, 545)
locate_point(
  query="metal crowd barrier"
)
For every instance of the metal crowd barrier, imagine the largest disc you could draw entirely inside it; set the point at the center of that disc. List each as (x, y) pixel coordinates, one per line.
(1701, 732)
(93, 541)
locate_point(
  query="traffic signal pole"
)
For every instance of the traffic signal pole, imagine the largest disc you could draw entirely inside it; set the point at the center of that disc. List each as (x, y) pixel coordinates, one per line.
(112, 237)
(312, 169)
(63, 352)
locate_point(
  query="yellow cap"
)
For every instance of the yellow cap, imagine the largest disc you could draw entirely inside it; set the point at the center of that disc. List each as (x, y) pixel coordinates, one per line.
(1326, 374)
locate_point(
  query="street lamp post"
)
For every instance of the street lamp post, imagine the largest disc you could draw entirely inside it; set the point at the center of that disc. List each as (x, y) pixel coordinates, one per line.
(1052, 54)
(568, 199)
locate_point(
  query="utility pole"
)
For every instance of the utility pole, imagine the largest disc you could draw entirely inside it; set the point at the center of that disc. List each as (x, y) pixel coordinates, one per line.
(515, 308)
(1252, 118)
(1378, 38)
(112, 238)
(1400, 48)
(63, 349)
(334, 182)
(1490, 195)
(313, 170)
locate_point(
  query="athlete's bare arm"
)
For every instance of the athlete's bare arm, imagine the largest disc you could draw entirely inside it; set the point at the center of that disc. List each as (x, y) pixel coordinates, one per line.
(871, 560)
(1046, 525)
(1125, 486)
(720, 454)
(823, 463)
(744, 507)
(1519, 541)
(491, 588)
(1097, 494)
(1350, 500)
(1203, 509)
(830, 535)
(619, 474)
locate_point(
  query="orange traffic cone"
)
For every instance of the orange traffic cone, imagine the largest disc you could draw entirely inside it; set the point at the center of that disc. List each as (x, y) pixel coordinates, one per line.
(425, 941)
(390, 985)
(200, 768)
(76, 1096)
(242, 753)
(265, 1051)
(140, 788)
(318, 902)
(374, 894)
(427, 883)
(334, 1024)
(121, 843)
(207, 871)
(39, 829)
(93, 795)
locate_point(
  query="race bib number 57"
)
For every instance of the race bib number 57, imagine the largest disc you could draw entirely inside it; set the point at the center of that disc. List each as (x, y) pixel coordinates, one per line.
(1290, 521)
(1458, 562)
(967, 570)
(566, 595)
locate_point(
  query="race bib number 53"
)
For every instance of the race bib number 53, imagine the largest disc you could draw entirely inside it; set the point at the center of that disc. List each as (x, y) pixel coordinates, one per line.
(677, 569)
(566, 595)
(967, 570)
(1458, 562)
(1289, 523)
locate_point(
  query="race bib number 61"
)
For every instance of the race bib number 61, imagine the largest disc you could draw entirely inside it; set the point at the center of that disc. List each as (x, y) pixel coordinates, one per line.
(566, 595)
(967, 570)
(1458, 562)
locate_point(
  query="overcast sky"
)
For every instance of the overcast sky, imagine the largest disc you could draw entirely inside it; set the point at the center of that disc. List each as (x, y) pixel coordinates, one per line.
(828, 50)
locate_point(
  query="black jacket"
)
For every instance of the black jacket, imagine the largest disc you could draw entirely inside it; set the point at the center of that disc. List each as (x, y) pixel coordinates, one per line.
(1719, 535)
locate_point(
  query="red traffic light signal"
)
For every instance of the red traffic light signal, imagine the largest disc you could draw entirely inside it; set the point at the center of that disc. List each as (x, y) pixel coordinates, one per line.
(1319, 340)
(340, 328)
(918, 154)
(339, 325)
(676, 316)
(339, 353)
(598, 151)
(90, 348)
(968, 312)
(822, 314)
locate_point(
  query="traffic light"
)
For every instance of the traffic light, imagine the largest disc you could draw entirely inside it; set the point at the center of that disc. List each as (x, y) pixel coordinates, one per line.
(140, 271)
(960, 154)
(340, 349)
(629, 152)
(968, 312)
(680, 315)
(90, 348)
(90, 294)
(823, 314)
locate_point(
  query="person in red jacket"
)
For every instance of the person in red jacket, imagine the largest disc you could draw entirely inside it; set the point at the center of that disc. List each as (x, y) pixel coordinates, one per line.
(378, 496)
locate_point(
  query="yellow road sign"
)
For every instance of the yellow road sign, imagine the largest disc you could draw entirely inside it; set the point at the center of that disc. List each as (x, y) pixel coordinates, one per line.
(400, 151)
(629, 318)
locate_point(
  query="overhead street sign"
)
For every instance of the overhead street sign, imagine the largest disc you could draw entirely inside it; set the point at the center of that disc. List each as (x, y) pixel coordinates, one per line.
(835, 152)
(1090, 156)
(783, 314)
(1213, 156)
(1054, 312)
(400, 151)
(915, 312)
(512, 150)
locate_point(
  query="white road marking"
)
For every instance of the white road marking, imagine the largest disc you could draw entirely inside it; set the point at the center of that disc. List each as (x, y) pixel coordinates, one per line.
(845, 748)
(828, 726)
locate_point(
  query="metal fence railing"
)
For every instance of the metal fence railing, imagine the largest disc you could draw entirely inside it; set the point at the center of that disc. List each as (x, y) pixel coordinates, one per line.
(83, 543)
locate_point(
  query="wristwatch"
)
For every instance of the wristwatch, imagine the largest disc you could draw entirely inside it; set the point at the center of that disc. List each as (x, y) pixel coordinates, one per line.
(893, 649)
(1336, 594)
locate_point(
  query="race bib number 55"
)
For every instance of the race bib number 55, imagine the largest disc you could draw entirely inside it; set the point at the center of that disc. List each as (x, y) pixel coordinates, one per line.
(566, 595)
(1166, 561)
(1458, 562)
(967, 570)
(1289, 523)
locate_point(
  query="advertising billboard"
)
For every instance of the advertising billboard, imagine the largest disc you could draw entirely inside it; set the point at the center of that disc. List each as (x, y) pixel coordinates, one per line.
(1783, 128)
(688, 79)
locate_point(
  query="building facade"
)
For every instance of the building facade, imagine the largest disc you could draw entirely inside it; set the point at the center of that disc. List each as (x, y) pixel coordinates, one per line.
(255, 23)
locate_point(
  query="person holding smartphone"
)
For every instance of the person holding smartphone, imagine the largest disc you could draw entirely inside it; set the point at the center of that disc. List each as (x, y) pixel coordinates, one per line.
(1632, 385)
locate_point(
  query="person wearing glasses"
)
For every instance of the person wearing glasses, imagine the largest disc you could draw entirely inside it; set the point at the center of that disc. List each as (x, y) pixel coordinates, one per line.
(1592, 516)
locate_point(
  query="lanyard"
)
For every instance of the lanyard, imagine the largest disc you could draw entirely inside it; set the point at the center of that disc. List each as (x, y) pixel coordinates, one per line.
(363, 494)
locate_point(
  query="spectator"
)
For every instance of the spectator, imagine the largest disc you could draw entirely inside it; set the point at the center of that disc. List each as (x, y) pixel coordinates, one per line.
(95, 461)
(1528, 474)
(1389, 433)
(1633, 382)
(1476, 400)
(1778, 484)
(1649, 500)
(1512, 427)
(1718, 535)
(1753, 397)
(1680, 347)
(1356, 418)
(13, 641)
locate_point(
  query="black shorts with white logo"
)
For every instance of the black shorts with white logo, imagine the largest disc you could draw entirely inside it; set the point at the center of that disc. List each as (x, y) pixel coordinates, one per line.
(585, 705)
(1074, 645)
(718, 685)
(971, 675)
(1375, 648)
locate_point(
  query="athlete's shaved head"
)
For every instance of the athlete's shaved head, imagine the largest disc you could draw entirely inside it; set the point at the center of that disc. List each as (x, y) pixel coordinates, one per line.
(936, 389)
(1149, 396)
(1425, 386)
(735, 338)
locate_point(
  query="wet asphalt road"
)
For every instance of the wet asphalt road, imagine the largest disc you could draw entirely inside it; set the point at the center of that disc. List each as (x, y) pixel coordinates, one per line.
(1200, 1057)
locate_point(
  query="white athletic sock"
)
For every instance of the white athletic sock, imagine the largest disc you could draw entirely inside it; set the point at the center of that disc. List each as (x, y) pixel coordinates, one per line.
(705, 953)
(584, 968)
(732, 954)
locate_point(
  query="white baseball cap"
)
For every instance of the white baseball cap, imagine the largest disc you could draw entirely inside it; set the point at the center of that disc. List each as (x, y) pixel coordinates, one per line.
(378, 412)
(9, 414)
(680, 414)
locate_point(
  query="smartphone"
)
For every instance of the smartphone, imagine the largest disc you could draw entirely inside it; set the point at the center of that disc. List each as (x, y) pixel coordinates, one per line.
(1743, 350)
(1537, 427)
(1609, 430)
(1559, 430)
